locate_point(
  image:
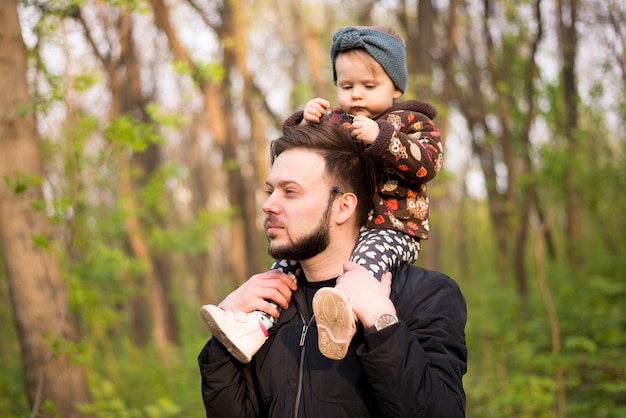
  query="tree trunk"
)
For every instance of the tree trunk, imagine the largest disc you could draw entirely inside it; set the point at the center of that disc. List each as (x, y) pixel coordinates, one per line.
(201, 179)
(420, 40)
(124, 77)
(36, 290)
(148, 162)
(316, 59)
(236, 53)
(219, 110)
(568, 38)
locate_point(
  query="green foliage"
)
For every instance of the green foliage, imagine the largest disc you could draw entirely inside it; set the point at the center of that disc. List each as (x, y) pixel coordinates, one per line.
(128, 132)
(22, 182)
(512, 364)
(139, 382)
(191, 237)
(213, 72)
(109, 404)
(185, 236)
(127, 6)
(86, 80)
(13, 402)
(170, 120)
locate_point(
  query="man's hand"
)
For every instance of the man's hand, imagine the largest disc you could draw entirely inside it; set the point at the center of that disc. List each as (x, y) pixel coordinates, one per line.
(365, 129)
(259, 291)
(369, 297)
(315, 110)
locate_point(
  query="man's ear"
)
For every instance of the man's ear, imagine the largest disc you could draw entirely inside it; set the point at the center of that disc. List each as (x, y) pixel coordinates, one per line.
(346, 207)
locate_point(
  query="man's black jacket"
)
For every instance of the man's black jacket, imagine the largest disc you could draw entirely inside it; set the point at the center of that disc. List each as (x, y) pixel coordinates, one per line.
(410, 369)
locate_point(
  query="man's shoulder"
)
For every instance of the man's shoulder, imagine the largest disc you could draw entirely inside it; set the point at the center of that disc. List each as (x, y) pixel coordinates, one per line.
(427, 295)
(423, 286)
(418, 275)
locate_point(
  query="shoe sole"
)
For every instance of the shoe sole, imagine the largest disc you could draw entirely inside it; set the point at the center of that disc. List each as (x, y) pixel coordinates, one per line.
(218, 333)
(336, 323)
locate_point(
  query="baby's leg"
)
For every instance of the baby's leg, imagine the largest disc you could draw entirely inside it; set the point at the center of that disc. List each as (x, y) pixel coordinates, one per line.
(288, 266)
(293, 269)
(243, 334)
(381, 250)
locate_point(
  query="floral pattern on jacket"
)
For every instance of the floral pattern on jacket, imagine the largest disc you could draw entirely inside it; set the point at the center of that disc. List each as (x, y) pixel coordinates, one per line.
(409, 145)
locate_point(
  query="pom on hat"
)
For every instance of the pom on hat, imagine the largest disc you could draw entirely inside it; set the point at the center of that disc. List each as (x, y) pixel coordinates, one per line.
(386, 49)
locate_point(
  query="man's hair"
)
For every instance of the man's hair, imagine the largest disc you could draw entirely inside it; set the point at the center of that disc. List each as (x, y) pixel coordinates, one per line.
(347, 165)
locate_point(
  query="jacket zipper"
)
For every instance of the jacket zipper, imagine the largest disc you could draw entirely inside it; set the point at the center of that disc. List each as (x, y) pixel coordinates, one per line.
(305, 328)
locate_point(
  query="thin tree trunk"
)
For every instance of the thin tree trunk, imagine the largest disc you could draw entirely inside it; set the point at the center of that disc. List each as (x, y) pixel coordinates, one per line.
(201, 180)
(473, 104)
(508, 201)
(141, 251)
(315, 58)
(568, 39)
(420, 40)
(555, 329)
(38, 295)
(254, 180)
(219, 111)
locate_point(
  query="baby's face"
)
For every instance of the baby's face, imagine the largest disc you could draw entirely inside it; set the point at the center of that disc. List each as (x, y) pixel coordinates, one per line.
(363, 87)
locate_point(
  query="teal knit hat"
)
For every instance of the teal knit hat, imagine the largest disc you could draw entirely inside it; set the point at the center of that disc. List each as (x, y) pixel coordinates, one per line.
(386, 49)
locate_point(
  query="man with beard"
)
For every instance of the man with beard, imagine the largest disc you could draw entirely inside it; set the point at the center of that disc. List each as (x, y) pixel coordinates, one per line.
(408, 356)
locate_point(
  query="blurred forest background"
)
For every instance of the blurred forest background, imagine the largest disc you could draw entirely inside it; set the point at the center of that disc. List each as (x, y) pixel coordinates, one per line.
(133, 150)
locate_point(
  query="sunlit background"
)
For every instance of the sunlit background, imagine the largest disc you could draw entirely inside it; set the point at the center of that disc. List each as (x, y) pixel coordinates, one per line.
(152, 125)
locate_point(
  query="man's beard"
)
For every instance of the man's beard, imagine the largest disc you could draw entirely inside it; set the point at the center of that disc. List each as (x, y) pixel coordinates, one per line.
(308, 246)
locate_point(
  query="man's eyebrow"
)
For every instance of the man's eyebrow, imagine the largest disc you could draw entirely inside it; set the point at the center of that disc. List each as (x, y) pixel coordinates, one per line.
(283, 183)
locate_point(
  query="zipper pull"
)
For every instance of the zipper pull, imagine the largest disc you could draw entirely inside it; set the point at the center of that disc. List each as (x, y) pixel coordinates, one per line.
(305, 328)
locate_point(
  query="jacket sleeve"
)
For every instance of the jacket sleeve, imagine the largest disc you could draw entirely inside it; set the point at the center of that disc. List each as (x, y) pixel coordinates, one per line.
(227, 388)
(409, 144)
(416, 366)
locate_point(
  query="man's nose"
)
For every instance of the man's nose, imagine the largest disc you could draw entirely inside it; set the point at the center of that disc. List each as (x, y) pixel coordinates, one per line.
(270, 204)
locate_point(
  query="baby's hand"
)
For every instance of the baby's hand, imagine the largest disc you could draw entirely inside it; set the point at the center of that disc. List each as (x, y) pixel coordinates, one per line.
(315, 109)
(365, 129)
